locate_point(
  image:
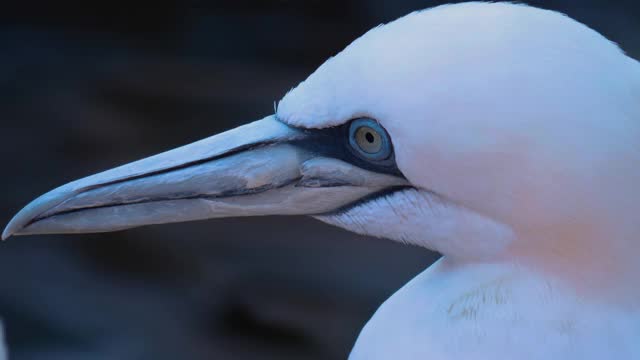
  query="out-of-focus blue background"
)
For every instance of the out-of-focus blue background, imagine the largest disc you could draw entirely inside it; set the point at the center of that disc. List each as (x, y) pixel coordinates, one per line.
(86, 87)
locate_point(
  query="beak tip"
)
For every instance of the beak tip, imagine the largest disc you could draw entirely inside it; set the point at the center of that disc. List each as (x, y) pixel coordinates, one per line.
(26, 215)
(8, 231)
(18, 222)
(13, 227)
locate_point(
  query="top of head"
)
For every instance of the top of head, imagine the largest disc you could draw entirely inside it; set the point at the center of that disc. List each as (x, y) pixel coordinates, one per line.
(521, 114)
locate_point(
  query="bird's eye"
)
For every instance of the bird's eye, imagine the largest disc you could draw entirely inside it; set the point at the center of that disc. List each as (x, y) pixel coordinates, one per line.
(369, 140)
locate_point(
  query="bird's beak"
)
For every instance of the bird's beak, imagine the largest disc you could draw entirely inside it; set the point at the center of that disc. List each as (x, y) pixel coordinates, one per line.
(262, 168)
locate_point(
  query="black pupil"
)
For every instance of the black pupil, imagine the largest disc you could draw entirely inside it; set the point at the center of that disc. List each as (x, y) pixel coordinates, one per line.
(369, 137)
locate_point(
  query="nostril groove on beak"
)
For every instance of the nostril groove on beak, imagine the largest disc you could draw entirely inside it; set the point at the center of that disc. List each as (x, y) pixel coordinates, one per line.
(183, 196)
(319, 182)
(233, 151)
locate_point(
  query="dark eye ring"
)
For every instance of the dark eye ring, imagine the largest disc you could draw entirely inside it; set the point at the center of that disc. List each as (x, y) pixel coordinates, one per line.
(369, 140)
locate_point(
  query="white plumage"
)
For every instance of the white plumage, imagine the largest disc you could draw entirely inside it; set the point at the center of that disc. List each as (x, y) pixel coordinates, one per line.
(520, 127)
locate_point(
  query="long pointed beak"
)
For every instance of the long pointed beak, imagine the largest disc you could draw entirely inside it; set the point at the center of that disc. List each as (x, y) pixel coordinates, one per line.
(262, 168)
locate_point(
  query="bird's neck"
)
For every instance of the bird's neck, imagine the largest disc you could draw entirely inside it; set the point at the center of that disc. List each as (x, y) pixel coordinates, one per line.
(488, 306)
(597, 262)
(595, 253)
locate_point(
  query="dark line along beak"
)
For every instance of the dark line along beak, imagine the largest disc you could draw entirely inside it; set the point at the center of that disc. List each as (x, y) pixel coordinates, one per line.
(262, 168)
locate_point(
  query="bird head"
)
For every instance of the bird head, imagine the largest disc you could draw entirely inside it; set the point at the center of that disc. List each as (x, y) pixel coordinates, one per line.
(520, 115)
(479, 130)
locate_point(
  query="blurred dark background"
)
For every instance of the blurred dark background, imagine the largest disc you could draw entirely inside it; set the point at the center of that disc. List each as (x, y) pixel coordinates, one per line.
(86, 87)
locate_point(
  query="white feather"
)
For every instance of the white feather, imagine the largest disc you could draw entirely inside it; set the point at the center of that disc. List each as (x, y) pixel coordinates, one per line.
(520, 129)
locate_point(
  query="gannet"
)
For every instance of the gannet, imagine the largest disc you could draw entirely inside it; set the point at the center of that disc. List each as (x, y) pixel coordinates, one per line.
(503, 136)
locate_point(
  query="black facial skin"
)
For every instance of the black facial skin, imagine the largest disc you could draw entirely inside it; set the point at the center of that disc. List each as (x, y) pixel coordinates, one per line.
(373, 196)
(333, 142)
